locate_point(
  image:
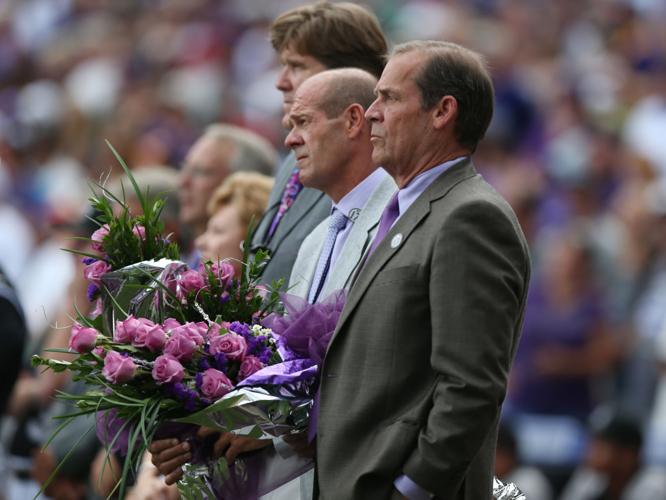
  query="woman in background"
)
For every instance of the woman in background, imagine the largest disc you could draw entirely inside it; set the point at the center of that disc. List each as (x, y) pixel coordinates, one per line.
(239, 202)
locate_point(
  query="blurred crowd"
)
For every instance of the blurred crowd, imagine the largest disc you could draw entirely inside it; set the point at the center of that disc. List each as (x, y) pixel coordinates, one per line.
(577, 145)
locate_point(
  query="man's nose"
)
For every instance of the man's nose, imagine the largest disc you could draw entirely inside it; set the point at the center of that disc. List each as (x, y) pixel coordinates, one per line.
(293, 139)
(372, 113)
(283, 83)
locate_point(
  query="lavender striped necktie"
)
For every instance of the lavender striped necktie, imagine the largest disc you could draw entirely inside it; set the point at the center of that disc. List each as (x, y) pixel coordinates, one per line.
(336, 223)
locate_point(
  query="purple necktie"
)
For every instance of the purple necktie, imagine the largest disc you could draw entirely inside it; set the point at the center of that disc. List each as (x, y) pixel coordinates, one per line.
(289, 194)
(389, 216)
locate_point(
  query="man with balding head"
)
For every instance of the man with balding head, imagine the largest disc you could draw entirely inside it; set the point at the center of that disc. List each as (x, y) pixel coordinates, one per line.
(330, 138)
(414, 377)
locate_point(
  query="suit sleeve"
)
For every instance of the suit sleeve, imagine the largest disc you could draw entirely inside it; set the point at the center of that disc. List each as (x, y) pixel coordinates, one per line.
(478, 279)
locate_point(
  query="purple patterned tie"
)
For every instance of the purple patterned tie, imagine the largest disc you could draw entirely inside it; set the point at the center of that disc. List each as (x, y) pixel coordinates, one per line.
(389, 216)
(289, 194)
(336, 223)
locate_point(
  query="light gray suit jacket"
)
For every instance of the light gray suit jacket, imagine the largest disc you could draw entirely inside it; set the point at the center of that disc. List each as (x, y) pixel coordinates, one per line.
(357, 243)
(416, 371)
(309, 208)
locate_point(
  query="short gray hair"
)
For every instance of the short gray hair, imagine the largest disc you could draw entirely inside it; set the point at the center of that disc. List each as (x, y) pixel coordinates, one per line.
(252, 153)
(454, 70)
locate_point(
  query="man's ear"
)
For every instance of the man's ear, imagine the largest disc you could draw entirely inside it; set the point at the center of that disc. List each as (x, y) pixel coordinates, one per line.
(444, 112)
(354, 120)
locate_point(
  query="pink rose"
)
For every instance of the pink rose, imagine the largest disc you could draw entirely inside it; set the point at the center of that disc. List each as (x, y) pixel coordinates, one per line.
(99, 351)
(118, 368)
(180, 346)
(262, 291)
(82, 339)
(170, 324)
(94, 272)
(97, 238)
(152, 339)
(249, 365)
(139, 231)
(167, 369)
(215, 384)
(132, 330)
(189, 281)
(224, 272)
(231, 344)
(213, 331)
(191, 330)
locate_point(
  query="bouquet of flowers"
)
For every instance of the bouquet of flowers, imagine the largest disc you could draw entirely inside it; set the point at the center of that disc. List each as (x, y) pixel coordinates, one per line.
(164, 340)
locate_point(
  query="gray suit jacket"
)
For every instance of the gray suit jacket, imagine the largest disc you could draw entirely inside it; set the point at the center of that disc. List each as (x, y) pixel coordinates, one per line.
(350, 256)
(309, 208)
(416, 371)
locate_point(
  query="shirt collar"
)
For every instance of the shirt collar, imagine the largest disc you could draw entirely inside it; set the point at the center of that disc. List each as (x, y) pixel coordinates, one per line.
(353, 202)
(409, 194)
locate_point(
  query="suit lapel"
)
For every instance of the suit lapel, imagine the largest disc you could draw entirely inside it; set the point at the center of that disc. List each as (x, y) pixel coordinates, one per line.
(306, 262)
(304, 202)
(360, 237)
(260, 236)
(404, 226)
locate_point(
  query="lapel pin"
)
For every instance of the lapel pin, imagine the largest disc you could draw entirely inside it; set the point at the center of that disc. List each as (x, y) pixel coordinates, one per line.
(396, 240)
(354, 213)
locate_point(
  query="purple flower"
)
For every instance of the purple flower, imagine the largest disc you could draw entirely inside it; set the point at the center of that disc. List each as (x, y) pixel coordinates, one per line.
(198, 380)
(88, 260)
(94, 272)
(98, 237)
(248, 366)
(82, 339)
(232, 345)
(92, 292)
(220, 361)
(215, 384)
(265, 355)
(241, 329)
(118, 368)
(185, 394)
(180, 346)
(167, 369)
(189, 281)
(204, 364)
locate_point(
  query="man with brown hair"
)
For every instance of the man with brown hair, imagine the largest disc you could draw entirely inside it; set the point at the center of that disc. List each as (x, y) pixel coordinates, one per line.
(416, 371)
(308, 40)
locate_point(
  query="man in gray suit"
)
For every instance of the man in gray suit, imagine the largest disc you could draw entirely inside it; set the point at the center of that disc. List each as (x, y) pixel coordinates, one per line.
(330, 138)
(308, 40)
(416, 372)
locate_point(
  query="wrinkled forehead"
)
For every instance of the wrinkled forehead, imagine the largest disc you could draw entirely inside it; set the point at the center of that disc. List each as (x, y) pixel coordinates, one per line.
(309, 94)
